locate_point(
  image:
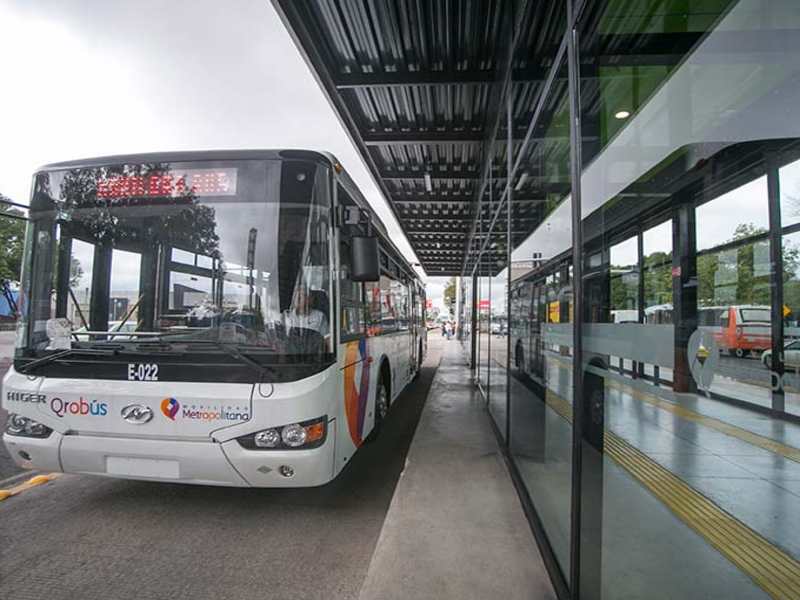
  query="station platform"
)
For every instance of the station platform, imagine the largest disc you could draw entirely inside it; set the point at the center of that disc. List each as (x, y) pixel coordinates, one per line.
(706, 481)
(455, 527)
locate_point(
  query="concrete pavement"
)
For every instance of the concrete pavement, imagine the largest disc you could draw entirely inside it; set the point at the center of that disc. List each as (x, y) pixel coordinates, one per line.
(456, 528)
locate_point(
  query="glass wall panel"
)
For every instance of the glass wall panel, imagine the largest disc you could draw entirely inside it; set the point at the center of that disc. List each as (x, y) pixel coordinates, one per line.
(735, 215)
(498, 362)
(625, 281)
(733, 305)
(496, 255)
(790, 193)
(484, 327)
(657, 296)
(687, 111)
(467, 307)
(541, 317)
(624, 292)
(657, 272)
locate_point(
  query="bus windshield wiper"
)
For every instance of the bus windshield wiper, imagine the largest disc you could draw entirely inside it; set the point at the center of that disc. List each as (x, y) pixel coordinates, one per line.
(32, 366)
(237, 355)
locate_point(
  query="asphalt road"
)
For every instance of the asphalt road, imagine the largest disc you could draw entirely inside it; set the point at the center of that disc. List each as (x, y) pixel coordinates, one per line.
(82, 537)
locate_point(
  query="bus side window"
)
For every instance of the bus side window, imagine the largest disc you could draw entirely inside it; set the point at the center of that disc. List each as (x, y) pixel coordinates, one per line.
(373, 291)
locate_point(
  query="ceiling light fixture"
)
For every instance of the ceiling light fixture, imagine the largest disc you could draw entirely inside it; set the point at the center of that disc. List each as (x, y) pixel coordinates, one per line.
(428, 183)
(622, 114)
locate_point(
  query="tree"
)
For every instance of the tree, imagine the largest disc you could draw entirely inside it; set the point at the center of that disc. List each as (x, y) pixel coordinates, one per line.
(450, 293)
(12, 239)
(75, 272)
(742, 275)
(658, 278)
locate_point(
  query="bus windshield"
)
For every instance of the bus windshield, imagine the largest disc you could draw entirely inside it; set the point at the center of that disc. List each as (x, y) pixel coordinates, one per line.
(755, 315)
(197, 254)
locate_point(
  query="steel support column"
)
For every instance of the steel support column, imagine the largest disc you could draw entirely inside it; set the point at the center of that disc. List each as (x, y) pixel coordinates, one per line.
(776, 300)
(684, 292)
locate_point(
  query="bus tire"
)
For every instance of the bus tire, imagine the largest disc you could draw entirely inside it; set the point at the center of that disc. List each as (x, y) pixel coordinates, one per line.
(739, 353)
(381, 408)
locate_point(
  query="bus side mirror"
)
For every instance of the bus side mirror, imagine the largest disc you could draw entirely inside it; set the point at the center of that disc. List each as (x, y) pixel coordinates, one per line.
(364, 258)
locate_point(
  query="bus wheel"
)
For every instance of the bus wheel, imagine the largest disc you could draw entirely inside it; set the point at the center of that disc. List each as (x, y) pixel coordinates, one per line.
(739, 353)
(381, 409)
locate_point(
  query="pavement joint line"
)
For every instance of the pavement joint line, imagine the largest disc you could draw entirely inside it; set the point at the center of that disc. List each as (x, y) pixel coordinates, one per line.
(773, 570)
(35, 481)
(743, 435)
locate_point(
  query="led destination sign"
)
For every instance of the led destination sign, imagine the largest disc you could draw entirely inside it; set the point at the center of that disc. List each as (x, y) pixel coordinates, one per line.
(176, 183)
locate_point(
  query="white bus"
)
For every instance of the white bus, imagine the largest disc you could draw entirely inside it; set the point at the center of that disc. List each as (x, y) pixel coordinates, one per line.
(228, 318)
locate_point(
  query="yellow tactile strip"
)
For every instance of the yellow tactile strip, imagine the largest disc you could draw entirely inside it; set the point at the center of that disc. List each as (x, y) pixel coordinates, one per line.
(743, 435)
(760, 441)
(32, 482)
(773, 570)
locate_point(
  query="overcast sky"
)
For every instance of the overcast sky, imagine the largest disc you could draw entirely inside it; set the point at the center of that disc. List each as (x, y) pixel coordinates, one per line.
(87, 78)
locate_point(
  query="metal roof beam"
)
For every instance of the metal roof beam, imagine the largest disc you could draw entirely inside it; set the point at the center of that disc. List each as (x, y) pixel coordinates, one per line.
(437, 246)
(429, 231)
(439, 218)
(345, 81)
(427, 202)
(446, 199)
(397, 138)
(421, 137)
(434, 174)
(450, 262)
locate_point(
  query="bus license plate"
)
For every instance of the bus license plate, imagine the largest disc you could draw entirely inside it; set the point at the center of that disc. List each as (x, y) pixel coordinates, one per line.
(143, 467)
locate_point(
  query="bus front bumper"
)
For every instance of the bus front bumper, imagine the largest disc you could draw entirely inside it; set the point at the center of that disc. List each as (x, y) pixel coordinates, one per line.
(192, 462)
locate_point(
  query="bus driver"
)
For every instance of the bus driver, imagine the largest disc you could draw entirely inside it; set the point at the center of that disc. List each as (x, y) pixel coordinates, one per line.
(303, 315)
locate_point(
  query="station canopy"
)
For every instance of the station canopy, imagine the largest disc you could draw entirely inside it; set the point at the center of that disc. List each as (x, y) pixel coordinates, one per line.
(419, 86)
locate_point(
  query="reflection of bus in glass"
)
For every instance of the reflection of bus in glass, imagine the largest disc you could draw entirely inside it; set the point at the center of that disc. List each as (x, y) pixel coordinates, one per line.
(269, 322)
(659, 314)
(541, 310)
(625, 316)
(737, 329)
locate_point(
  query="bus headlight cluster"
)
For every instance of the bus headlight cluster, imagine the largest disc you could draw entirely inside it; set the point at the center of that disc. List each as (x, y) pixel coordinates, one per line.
(294, 436)
(269, 438)
(25, 427)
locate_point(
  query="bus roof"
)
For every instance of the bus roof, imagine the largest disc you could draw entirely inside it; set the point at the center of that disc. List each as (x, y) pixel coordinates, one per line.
(193, 155)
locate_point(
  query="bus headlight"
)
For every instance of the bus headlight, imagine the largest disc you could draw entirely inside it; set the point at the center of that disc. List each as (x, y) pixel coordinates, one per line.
(25, 427)
(295, 436)
(269, 438)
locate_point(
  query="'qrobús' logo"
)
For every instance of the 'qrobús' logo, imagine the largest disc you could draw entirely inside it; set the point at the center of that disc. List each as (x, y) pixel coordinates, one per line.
(93, 408)
(170, 408)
